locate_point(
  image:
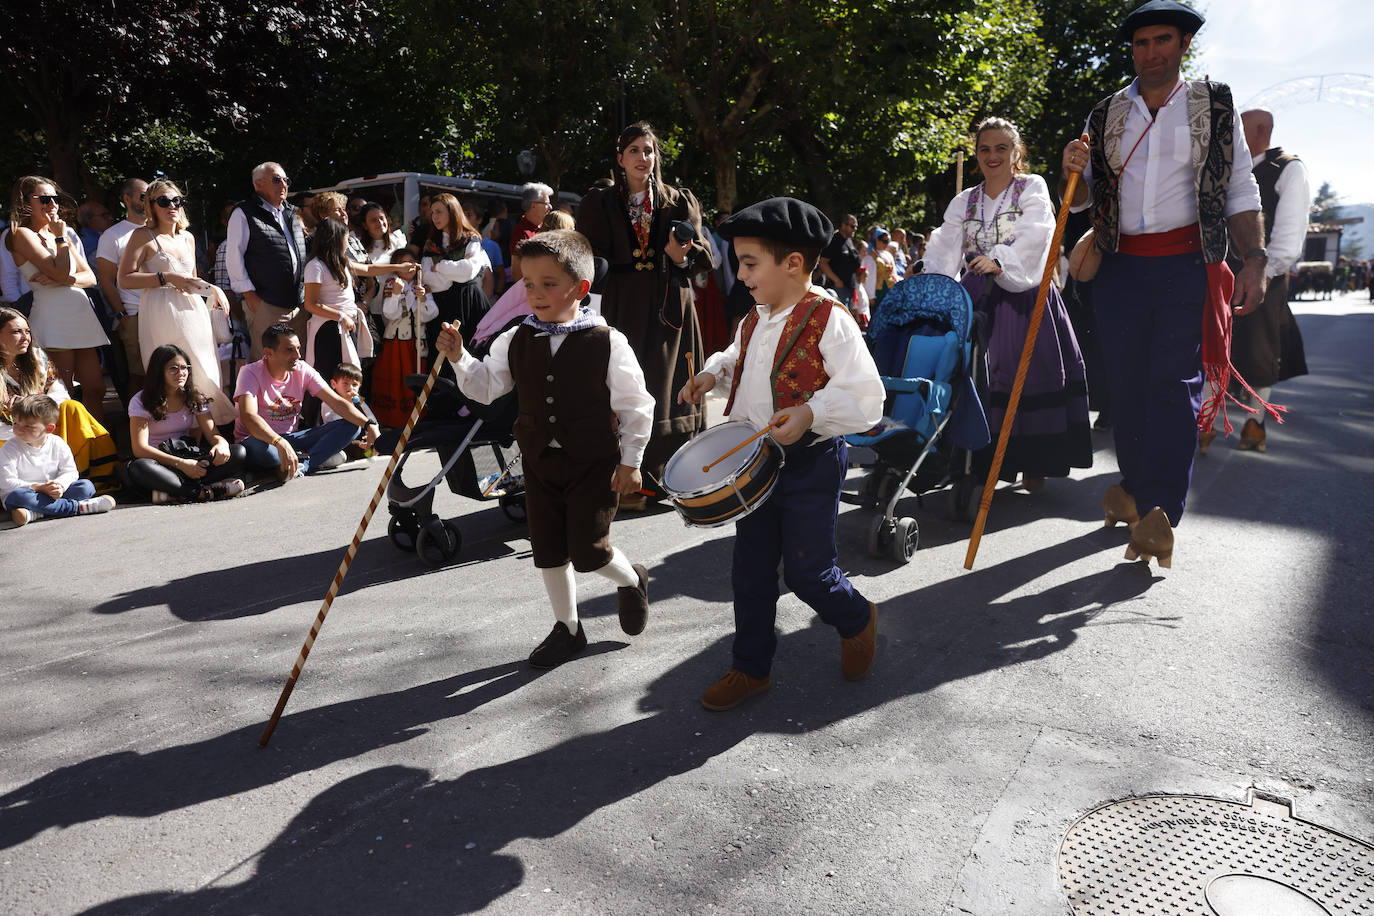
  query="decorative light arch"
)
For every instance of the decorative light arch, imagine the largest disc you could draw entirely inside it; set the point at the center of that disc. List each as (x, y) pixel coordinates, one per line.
(1353, 90)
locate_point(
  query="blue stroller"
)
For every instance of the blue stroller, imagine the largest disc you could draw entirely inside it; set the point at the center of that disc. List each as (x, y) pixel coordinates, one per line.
(927, 353)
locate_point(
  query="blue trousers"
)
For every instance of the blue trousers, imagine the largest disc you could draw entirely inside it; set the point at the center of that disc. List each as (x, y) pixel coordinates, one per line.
(794, 527)
(63, 506)
(312, 445)
(1149, 316)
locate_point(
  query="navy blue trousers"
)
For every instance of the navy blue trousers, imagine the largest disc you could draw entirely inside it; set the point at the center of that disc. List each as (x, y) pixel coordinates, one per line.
(795, 527)
(1149, 317)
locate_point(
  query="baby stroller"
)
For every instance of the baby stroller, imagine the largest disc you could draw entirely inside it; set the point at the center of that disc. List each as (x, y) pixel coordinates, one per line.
(462, 432)
(924, 343)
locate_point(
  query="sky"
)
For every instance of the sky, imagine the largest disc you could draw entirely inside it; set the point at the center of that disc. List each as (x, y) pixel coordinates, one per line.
(1254, 45)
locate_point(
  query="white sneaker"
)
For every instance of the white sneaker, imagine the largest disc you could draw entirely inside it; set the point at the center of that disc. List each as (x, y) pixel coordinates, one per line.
(227, 489)
(95, 505)
(161, 497)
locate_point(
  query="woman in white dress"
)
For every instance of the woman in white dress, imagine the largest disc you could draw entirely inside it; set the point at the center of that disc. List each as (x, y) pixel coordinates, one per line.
(49, 255)
(175, 304)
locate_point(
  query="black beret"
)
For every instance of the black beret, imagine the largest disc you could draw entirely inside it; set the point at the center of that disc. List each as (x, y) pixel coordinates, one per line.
(783, 219)
(1162, 12)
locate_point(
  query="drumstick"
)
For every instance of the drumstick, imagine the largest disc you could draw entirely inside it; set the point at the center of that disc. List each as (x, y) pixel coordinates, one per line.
(691, 375)
(754, 438)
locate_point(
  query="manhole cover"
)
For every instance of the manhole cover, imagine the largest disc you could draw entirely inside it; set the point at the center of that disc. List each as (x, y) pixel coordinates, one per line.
(1177, 854)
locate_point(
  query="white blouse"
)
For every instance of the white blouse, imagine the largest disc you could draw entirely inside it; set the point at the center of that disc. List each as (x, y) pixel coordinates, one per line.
(1014, 232)
(442, 274)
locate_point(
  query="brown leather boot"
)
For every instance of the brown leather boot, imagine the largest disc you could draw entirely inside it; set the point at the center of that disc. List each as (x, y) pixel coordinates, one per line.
(1118, 506)
(1153, 536)
(1204, 440)
(1252, 437)
(733, 689)
(856, 652)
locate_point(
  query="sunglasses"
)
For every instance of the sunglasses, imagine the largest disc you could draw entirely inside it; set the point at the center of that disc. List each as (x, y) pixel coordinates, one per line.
(46, 200)
(167, 203)
(281, 179)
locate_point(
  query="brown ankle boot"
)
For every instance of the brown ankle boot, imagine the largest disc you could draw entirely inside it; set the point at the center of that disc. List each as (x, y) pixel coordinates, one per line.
(1118, 506)
(1153, 536)
(1252, 437)
(856, 652)
(733, 689)
(1204, 440)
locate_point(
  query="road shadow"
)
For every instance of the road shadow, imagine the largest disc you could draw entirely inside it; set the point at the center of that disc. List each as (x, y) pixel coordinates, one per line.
(343, 851)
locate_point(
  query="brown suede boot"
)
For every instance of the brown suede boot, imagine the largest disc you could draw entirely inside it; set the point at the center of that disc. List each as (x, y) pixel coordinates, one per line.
(1118, 506)
(856, 652)
(1152, 537)
(733, 689)
(1252, 437)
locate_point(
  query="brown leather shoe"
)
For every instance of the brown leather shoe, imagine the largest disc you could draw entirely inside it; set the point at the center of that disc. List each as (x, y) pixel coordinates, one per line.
(1152, 537)
(1204, 440)
(634, 602)
(1252, 437)
(1118, 506)
(856, 652)
(733, 689)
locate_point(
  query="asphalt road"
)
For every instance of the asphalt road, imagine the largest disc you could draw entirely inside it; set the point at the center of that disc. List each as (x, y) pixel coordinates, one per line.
(422, 767)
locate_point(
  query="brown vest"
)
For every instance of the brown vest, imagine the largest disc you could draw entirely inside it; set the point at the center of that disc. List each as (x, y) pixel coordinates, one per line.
(798, 371)
(564, 396)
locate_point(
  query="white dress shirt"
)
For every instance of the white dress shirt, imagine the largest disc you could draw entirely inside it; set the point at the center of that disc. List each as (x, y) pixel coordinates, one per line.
(1017, 239)
(851, 402)
(1286, 241)
(486, 380)
(12, 282)
(441, 274)
(23, 465)
(1157, 187)
(113, 241)
(237, 241)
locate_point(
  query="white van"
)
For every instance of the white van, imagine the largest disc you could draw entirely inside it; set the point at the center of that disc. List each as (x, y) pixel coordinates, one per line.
(400, 192)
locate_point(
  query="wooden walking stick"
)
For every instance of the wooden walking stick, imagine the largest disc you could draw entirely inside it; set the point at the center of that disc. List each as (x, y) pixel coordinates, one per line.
(349, 555)
(1020, 381)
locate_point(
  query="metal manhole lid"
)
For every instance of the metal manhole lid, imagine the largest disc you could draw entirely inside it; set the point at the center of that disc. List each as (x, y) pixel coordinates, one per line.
(1186, 854)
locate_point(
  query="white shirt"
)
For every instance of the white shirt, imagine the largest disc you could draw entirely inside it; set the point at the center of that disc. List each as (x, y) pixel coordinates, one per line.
(1017, 239)
(442, 274)
(1285, 242)
(237, 241)
(23, 465)
(488, 379)
(851, 402)
(113, 241)
(1156, 188)
(13, 286)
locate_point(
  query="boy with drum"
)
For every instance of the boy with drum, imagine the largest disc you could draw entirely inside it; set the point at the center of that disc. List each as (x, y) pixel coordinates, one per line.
(584, 422)
(798, 364)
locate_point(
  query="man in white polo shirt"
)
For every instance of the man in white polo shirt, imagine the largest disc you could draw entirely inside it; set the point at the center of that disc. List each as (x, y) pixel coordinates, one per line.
(123, 302)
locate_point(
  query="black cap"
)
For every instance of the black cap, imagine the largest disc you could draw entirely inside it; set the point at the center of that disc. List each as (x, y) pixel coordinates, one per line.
(783, 219)
(1162, 12)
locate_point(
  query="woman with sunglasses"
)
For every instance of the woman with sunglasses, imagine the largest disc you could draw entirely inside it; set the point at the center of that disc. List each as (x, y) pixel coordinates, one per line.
(178, 455)
(175, 304)
(49, 255)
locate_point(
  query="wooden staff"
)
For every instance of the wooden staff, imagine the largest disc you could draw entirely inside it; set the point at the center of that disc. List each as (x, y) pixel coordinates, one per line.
(500, 477)
(752, 439)
(348, 556)
(1050, 263)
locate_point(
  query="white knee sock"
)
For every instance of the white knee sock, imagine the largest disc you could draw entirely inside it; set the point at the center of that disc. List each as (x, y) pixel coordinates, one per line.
(562, 589)
(619, 570)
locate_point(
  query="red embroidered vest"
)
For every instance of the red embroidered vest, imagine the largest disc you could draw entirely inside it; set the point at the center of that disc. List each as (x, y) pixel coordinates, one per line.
(798, 372)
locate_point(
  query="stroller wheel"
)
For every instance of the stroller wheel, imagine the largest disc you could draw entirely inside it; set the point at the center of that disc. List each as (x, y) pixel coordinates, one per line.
(905, 536)
(880, 536)
(438, 543)
(401, 534)
(513, 506)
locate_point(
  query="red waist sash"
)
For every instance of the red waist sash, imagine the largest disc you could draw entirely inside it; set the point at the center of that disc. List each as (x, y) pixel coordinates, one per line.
(1183, 240)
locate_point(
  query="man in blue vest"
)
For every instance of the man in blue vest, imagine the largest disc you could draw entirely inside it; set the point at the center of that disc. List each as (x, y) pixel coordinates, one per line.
(1167, 174)
(266, 253)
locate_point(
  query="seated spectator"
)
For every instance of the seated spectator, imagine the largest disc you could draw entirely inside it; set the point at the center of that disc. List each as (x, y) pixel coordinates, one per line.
(347, 382)
(37, 471)
(178, 455)
(270, 393)
(26, 370)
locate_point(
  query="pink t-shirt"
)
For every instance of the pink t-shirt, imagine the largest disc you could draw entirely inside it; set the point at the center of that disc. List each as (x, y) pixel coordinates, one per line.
(279, 401)
(173, 426)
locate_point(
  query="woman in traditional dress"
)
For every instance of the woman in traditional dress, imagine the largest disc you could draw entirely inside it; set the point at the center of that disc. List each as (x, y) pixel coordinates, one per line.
(647, 295)
(999, 234)
(451, 265)
(48, 253)
(174, 307)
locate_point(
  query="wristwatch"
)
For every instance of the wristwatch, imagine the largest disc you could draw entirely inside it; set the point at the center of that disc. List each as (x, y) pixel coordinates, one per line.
(1260, 253)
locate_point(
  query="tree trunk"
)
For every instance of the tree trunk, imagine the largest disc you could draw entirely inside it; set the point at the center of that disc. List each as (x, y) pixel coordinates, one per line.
(64, 154)
(726, 161)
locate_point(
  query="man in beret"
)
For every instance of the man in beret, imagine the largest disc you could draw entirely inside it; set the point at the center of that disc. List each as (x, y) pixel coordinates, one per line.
(798, 365)
(1167, 175)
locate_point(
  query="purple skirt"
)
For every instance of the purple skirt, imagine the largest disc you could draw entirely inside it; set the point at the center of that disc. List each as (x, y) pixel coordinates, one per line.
(1050, 433)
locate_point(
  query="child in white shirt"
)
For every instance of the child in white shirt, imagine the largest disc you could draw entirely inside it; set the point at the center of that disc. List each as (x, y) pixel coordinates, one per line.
(37, 471)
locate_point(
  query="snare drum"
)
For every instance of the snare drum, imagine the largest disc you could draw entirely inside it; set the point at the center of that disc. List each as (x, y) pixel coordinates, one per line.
(731, 489)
